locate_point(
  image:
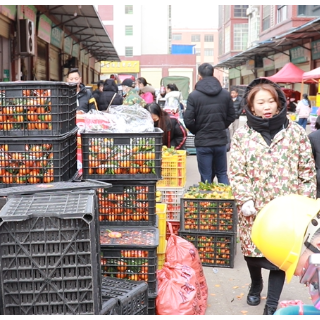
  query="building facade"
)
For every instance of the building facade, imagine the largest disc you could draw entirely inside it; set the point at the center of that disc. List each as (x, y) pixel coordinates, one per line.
(139, 43)
(245, 31)
(39, 42)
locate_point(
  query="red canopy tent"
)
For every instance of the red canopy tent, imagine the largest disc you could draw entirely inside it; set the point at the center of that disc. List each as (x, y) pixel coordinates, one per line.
(290, 73)
(311, 75)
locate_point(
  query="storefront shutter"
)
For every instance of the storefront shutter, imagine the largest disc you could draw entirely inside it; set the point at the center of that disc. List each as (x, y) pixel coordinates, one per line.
(54, 63)
(4, 27)
(41, 64)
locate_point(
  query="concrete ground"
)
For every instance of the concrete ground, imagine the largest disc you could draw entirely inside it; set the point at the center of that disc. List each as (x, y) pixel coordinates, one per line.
(228, 287)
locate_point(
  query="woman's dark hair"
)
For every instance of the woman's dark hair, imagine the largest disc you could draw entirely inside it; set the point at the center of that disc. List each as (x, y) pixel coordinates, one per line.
(317, 124)
(172, 87)
(164, 120)
(305, 96)
(143, 81)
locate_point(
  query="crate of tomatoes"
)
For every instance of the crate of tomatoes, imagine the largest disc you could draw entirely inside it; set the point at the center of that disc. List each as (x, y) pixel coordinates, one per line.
(130, 253)
(130, 203)
(215, 250)
(29, 160)
(208, 208)
(33, 108)
(122, 156)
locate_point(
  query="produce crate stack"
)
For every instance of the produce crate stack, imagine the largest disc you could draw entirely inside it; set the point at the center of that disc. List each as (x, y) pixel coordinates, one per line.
(209, 220)
(171, 189)
(38, 141)
(49, 261)
(129, 236)
(161, 210)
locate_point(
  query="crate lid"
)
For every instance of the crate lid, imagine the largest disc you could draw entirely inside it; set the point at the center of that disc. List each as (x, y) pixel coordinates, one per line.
(54, 186)
(67, 205)
(140, 237)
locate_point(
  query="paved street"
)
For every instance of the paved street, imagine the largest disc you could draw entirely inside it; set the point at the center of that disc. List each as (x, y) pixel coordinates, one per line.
(228, 287)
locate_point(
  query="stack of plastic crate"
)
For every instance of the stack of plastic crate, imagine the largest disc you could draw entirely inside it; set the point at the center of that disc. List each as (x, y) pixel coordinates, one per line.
(131, 162)
(211, 225)
(161, 210)
(172, 186)
(38, 141)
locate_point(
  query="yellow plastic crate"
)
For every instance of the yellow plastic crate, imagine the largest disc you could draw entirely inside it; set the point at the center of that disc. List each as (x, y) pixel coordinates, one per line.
(161, 260)
(174, 165)
(172, 182)
(161, 211)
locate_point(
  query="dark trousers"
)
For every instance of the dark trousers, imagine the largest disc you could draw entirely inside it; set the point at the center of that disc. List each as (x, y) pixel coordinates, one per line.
(213, 161)
(275, 282)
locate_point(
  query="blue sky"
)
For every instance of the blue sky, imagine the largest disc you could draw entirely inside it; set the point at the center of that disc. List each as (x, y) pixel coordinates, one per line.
(192, 15)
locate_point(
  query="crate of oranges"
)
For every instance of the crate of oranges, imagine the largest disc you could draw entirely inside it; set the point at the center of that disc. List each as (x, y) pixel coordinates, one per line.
(33, 108)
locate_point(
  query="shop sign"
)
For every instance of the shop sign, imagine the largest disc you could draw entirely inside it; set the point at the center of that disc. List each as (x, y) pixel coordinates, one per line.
(250, 64)
(76, 50)
(86, 58)
(120, 67)
(6, 75)
(67, 45)
(299, 55)
(234, 73)
(29, 12)
(9, 11)
(82, 55)
(44, 28)
(315, 50)
(56, 37)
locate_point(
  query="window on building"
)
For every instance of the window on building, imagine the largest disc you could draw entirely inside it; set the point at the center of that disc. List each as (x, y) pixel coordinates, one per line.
(266, 17)
(240, 36)
(309, 11)
(129, 51)
(198, 52)
(220, 16)
(240, 11)
(220, 43)
(208, 38)
(128, 9)
(176, 36)
(128, 30)
(282, 13)
(227, 39)
(195, 38)
(208, 52)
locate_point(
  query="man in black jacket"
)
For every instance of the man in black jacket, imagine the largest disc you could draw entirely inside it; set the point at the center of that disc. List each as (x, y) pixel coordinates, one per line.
(237, 109)
(85, 100)
(208, 114)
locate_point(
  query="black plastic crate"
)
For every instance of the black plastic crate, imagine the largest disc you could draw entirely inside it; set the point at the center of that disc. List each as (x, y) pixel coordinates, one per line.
(49, 255)
(208, 215)
(109, 307)
(33, 160)
(131, 264)
(215, 250)
(54, 187)
(132, 296)
(130, 203)
(122, 156)
(152, 305)
(34, 108)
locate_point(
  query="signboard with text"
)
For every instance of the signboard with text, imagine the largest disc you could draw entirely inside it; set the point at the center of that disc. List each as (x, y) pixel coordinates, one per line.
(67, 45)
(57, 37)
(28, 12)
(44, 28)
(315, 50)
(120, 67)
(299, 55)
(9, 11)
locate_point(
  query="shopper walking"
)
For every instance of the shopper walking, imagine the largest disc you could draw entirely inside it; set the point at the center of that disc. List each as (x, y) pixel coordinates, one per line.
(208, 114)
(270, 156)
(109, 96)
(303, 110)
(130, 97)
(237, 109)
(85, 99)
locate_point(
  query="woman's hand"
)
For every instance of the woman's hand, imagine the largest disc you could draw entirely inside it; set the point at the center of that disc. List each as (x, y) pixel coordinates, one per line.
(248, 208)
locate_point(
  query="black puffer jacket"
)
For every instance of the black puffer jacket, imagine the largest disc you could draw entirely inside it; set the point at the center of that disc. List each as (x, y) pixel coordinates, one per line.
(109, 89)
(237, 107)
(86, 100)
(209, 112)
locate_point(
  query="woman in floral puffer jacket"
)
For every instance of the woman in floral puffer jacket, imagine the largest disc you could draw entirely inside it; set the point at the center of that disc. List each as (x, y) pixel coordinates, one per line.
(270, 156)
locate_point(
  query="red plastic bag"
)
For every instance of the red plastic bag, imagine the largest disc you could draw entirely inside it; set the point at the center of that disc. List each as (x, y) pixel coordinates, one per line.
(178, 291)
(184, 252)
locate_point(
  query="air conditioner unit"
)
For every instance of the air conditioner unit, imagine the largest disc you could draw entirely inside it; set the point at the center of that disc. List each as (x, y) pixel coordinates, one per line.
(27, 37)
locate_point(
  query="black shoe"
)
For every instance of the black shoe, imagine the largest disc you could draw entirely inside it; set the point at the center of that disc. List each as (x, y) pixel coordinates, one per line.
(253, 297)
(269, 311)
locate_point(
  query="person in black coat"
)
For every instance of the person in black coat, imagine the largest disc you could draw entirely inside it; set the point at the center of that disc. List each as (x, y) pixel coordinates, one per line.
(96, 93)
(209, 113)
(85, 99)
(109, 94)
(237, 109)
(174, 133)
(314, 138)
